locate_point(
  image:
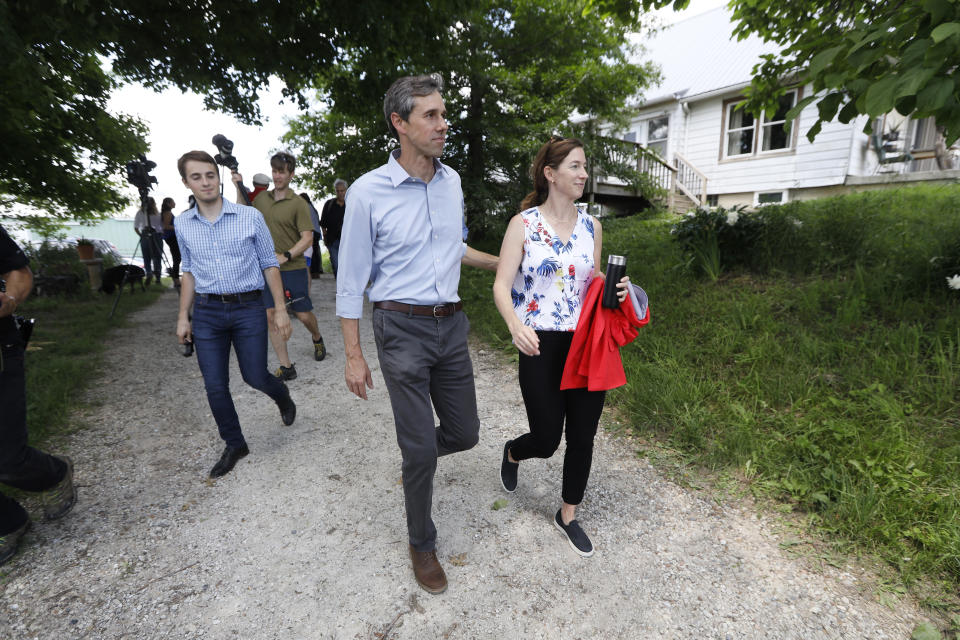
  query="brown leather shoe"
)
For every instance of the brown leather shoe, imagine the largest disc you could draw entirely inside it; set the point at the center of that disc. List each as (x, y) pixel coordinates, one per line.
(428, 571)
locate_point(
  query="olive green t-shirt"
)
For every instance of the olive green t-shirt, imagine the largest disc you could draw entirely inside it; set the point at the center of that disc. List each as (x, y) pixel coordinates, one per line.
(286, 219)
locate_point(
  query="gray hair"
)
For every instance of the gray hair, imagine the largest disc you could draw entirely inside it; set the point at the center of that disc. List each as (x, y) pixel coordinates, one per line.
(400, 95)
(338, 182)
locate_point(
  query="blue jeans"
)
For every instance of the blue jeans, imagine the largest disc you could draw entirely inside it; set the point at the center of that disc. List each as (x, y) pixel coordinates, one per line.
(217, 325)
(334, 249)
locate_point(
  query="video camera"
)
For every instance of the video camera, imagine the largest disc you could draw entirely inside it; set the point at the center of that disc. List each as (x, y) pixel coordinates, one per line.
(138, 174)
(225, 157)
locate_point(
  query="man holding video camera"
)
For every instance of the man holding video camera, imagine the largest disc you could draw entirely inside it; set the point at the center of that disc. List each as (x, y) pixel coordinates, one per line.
(148, 223)
(227, 256)
(288, 219)
(21, 466)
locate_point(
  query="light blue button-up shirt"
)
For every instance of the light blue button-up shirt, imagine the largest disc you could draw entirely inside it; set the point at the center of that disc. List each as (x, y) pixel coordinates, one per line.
(401, 235)
(229, 254)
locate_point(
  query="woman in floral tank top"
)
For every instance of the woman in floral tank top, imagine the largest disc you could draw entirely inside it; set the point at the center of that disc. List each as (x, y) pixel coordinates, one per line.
(547, 261)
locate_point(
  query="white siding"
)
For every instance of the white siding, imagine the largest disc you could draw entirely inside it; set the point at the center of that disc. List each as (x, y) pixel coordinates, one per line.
(820, 163)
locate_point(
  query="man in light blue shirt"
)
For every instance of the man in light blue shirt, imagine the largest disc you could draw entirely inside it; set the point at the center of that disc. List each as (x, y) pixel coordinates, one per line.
(227, 255)
(402, 234)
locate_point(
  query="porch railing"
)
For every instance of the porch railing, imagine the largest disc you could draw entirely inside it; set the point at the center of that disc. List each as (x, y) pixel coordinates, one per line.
(681, 177)
(690, 181)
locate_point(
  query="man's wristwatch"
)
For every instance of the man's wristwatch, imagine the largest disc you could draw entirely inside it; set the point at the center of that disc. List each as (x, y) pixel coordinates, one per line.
(287, 255)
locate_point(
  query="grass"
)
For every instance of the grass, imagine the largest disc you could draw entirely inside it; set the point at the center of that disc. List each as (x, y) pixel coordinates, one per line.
(65, 353)
(827, 381)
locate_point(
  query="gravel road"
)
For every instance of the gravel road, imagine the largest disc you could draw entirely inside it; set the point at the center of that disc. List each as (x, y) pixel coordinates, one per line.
(306, 538)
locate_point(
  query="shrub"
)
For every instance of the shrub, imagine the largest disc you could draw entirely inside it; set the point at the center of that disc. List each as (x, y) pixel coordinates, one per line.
(58, 266)
(905, 242)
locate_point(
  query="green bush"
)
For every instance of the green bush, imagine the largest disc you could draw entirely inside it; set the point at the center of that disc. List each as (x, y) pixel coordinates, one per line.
(59, 265)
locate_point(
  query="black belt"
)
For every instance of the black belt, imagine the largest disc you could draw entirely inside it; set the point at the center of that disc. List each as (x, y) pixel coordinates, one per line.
(247, 296)
(432, 310)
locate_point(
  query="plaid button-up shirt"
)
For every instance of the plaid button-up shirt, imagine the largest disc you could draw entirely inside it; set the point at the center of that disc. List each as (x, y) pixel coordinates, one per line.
(229, 254)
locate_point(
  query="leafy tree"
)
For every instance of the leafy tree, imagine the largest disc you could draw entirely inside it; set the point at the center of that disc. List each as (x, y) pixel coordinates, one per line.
(515, 72)
(861, 56)
(62, 152)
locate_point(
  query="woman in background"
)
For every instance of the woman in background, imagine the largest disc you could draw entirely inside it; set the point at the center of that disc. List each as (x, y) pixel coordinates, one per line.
(547, 261)
(166, 217)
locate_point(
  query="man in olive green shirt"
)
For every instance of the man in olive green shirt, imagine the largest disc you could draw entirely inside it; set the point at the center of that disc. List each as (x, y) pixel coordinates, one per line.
(288, 219)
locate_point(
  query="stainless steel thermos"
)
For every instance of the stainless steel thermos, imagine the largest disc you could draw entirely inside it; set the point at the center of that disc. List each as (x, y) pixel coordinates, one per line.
(616, 269)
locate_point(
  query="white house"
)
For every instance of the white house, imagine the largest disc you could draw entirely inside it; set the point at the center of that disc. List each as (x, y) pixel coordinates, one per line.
(717, 154)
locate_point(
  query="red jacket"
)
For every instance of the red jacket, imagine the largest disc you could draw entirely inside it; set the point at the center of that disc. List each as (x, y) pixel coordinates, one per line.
(594, 359)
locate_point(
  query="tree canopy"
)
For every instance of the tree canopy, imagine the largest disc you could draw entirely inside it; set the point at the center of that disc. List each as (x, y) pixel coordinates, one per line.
(861, 56)
(62, 152)
(516, 71)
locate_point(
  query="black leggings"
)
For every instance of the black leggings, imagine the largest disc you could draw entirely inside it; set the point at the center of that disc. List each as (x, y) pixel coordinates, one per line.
(175, 254)
(547, 406)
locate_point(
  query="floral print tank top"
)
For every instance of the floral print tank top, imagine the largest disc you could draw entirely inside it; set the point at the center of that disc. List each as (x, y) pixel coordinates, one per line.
(553, 277)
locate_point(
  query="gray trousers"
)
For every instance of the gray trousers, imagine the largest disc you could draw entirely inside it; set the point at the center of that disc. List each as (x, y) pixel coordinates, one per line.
(425, 360)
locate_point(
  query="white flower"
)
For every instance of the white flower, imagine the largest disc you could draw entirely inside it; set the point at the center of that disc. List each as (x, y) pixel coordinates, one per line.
(953, 281)
(732, 217)
(690, 214)
(797, 223)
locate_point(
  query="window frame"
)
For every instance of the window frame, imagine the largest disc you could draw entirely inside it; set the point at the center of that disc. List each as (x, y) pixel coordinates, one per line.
(645, 127)
(641, 132)
(759, 124)
(784, 197)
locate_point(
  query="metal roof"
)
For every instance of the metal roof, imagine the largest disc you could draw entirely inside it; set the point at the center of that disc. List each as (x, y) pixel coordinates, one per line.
(700, 55)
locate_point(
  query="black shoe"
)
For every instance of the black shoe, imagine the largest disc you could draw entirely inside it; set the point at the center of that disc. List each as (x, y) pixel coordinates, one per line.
(287, 373)
(288, 410)
(10, 541)
(319, 351)
(577, 538)
(228, 460)
(508, 470)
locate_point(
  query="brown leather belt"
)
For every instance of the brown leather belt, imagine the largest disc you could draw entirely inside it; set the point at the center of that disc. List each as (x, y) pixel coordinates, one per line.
(432, 310)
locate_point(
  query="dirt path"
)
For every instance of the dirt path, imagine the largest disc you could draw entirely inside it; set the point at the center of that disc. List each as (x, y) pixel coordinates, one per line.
(306, 538)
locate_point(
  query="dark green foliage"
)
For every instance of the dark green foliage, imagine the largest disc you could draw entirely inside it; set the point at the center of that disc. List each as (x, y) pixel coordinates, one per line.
(824, 369)
(53, 259)
(63, 152)
(515, 73)
(906, 242)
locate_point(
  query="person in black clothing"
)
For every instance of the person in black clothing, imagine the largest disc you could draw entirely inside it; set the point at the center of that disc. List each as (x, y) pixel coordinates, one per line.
(21, 466)
(170, 237)
(331, 221)
(316, 257)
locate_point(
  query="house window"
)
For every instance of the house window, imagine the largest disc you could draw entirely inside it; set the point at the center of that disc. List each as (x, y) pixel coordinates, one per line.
(771, 197)
(657, 132)
(773, 132)
(748, 136)
(713, 199)
(740, 131)
(652, 133)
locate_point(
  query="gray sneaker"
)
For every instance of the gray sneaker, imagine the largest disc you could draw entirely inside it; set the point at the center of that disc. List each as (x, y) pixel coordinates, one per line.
(59, 499)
